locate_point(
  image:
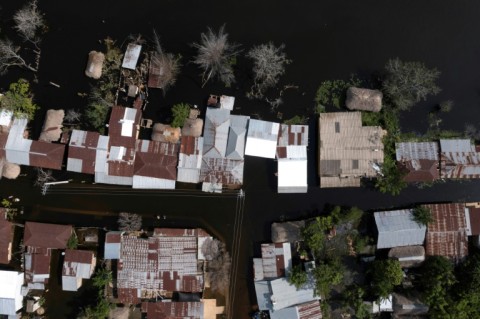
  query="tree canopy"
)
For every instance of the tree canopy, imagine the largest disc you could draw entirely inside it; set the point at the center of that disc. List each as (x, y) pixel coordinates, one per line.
(422, 215)
(386, 274)
(19, 100)
(180, 113)
(297, 276)
(407, 83)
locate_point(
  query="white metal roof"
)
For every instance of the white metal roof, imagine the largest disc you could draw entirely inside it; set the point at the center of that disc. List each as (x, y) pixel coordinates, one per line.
(131, 56)
(262, 138)
(292, 176)
(397, 228)
(152, 182)
(10, 292)
(226, 102)
(17, 147)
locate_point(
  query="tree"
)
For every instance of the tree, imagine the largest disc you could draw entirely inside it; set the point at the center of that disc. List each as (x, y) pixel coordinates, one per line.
(28, 21)
(297, 276)
(216, 56)
(407, 83)
(314, 233)
(211, 248)
(129, 222)
(98, 311)
(19, 100)
(169, 64)
(101, 278)
(436, 281)
(386, 274)
(422, 215)
(180, 113)
(219, 272)
(327, 274)
(353, 296)
(446, 106)
(43, 176)
(72, 242)
(269, 64)
(9, 57)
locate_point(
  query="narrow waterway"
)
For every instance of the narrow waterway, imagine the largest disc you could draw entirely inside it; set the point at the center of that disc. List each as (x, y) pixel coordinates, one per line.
(324, 39)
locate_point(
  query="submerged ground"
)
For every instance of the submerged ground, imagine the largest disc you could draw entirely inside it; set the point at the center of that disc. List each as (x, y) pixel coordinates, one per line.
(324, 39)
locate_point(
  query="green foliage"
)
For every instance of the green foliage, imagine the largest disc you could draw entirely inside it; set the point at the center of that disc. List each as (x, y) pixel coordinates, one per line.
(297, 276)
(437, 279)
(372, 118)
(422, 215)
(327, 274)
(102, 277)
(18, 99)
(296, 120)
(386, 274)
(314, 233)
(333, 92)
(407, 83)
(72, 242)
(446, 106)
(353, 297)
(180, 113)
(99, 311)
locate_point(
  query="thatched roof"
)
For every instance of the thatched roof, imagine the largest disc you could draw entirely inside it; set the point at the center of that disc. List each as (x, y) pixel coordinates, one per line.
(165, 133)
(408, 307)
(192, 127)
(364, 99)
(287, 231)
(10, 170)
(408, 256)
(119, 313)
(52, 128)
(94, 64)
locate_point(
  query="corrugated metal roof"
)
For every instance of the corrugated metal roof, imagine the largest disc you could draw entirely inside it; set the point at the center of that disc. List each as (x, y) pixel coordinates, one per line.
(173, 310)
(417, 151)
(227, 102)
(46, 155)
(447, 234)
(131, 56)
(293, 135)
(459, 159)
(6, 235)
(397, 228)
(215, 135)
(292, 176)
(46, 235)
(357, 147)
(11, 299)
(276, 260)
(5, 117)
(190, 159)
(222, 170)
(262, 138)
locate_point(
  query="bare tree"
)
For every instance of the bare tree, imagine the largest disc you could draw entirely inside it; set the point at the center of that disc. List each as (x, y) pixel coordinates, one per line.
(43, 176)
(129, 221)
(219, 272)
(216, 56)
(72, 116)
(168, 63)
(211, 248)
(9, 57)
(269, 64)
(28, 21)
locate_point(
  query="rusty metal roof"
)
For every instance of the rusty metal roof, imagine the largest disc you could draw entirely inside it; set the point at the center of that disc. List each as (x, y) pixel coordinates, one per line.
(156, 159)
(173, 310)
(459, 158)
(46, 155)
(6, 234)
(446, 235)
(222, 170)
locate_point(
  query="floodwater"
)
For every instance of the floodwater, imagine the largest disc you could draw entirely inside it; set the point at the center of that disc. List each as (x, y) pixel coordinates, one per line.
(324, 40)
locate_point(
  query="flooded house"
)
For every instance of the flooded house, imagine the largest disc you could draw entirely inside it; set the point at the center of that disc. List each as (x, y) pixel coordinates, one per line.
(348, 151)
(11, 298)
(77, 265)
(52, 127)
(190, 159)
(262, 138)
(459, 159)
(82, 150)
(419, 161)
(132, 54)
(397, 228)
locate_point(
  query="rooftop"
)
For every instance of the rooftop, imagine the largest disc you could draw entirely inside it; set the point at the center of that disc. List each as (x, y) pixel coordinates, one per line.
(397, 228)
(46, 235)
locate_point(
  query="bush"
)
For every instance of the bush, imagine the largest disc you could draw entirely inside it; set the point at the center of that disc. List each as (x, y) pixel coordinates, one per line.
(180, 113)
(19, 100)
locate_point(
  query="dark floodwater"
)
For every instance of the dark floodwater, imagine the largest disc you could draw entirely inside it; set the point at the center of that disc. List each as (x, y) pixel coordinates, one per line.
(325, 40)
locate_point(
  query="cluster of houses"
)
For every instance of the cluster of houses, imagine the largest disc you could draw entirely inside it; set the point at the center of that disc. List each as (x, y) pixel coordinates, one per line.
(165, 272)
(39, 241)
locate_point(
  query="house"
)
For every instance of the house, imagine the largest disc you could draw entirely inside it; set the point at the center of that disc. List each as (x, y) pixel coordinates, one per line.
(348, 151)
(131, 56)
(447, 234)
(236, 137)
(419, 161)
(408, 307)
(113, 244)
(22, 151)
(173, 310)
(308, 310)
(190, 159)
(262, 138)
(215, 135)
(459, 158)
(39, 240)
(155, 165)
(11, 299)
(287, 231)
(277, 294)
(163, 263)
(77, 265)
(6, 237)
(94, 64)
(193, 125)
(397, 228)
(364, 99)
(408, 256)
(472, 218)
(276, 261)
(82, 151)
(116, 166)
(292, 158)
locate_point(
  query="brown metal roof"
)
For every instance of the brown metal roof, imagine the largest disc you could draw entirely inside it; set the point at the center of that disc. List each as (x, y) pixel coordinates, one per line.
(173, 310)
(420, 170)
(156, 159)
(446, 235)
(474, 213)
(188, 145)
(46, 155)
(115, 128)
(79, 256)
(46, 235)
(6, 234)
(309, 310)
(87, 155)
(113, 237)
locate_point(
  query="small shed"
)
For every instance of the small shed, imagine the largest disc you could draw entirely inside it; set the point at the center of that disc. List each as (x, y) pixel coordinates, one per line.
(10, 170)
(131, 56)
(408, 256)
(165, 133)
(364, 99)
(94, 64)
(52, 127)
